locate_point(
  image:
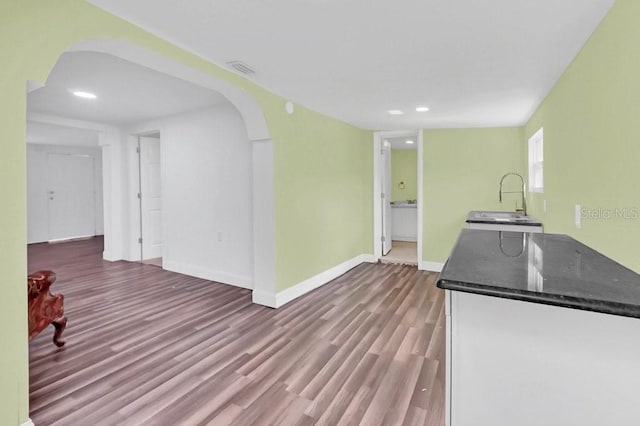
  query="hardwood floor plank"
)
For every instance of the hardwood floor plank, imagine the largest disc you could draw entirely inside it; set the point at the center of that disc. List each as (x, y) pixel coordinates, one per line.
(425, 384)
(150, 347)
(381, 400)
(356, 408)
(399, 405)
(415, 417)
(294, 414)
(309, 367)
(330, 404)
(435, 410)
(226, 416)
(272, 401)
(332, 375)
(196, 407)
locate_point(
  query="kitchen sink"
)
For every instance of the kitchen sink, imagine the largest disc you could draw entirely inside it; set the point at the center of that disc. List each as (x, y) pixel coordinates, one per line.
(501, 220)
(503, 216)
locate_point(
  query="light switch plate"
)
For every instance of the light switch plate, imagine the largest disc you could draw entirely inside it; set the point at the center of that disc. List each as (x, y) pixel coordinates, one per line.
(578, 216)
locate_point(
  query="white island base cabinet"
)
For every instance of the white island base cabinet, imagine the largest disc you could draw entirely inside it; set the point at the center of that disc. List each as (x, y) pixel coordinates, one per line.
(516, 363)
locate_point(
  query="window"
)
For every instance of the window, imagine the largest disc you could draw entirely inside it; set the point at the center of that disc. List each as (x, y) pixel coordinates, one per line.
(536, 162)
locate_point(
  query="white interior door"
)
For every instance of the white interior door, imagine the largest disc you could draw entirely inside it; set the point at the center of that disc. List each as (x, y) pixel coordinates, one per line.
(386, 199)
(150, 198)
(71, 196)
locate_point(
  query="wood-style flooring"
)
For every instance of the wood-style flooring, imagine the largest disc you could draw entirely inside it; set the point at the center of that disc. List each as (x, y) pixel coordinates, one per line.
(150, 347)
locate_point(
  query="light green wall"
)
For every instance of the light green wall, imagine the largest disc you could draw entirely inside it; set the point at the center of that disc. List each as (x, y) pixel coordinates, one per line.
(325, 195)
(34, 33)
(13, 303)
(591, 122)
(404, 168)
(462, 169)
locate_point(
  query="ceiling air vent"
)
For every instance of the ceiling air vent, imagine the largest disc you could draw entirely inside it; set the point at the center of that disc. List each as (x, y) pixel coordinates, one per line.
(241, 67)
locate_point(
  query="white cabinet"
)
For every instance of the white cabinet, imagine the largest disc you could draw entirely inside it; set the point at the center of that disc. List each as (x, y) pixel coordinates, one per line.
(404, 220)
(511, 363)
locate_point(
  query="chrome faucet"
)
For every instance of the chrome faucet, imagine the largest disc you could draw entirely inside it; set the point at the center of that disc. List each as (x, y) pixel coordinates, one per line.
(523, 209)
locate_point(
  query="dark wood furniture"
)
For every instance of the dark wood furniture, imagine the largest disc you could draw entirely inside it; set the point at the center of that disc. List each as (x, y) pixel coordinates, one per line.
(45, 308)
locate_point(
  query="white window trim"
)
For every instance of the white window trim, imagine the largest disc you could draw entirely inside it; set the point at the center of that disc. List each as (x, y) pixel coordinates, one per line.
(536, 161)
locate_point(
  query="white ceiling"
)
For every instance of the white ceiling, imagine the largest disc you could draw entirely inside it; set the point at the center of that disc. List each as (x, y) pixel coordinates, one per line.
(127, 93)
(474, 63)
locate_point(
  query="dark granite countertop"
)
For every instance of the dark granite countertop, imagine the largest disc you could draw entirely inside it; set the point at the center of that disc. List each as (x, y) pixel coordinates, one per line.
(541, 268)
(502, 218)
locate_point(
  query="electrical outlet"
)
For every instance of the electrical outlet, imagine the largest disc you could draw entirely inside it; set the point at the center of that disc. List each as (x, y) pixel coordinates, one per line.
(578, 213)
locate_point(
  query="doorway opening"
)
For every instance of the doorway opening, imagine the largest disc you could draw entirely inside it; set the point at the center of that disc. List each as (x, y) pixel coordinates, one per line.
(197, 219)
(398, 197)
(245, 114)
(64, 183)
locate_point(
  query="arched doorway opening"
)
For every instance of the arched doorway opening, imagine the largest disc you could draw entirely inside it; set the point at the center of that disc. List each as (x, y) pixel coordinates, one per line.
(119, 213)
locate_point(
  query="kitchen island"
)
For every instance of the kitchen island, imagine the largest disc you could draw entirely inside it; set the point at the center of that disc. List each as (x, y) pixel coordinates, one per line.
(541, 330)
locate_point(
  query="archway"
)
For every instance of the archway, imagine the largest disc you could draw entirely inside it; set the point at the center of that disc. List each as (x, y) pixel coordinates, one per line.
(263, 284)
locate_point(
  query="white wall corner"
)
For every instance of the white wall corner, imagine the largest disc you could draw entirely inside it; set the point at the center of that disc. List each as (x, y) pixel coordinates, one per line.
(320, 279)
(264, 228)
(264, 298)
(29, 422)
(431, 266)
(113, 181)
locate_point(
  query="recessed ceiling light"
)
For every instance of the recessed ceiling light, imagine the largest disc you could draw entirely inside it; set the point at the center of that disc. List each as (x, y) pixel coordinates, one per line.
(422, 109)
(395, 112)
(409, 142)
(84, 95)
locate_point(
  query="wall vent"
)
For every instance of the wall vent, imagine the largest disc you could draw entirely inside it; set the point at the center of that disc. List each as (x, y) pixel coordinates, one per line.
(241, 67)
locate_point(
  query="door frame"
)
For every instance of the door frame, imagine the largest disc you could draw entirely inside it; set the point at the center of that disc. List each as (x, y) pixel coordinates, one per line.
(378, 138)
(138, 188)
(385, 203)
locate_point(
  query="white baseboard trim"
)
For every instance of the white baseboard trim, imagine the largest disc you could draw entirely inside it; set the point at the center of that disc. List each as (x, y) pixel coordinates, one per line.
(106, 255)
(285, 296)
(66, 239)
(264, 298)
(431, 266)
(304, 287)
(368, 258)
(29, 422)
(208, 274)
